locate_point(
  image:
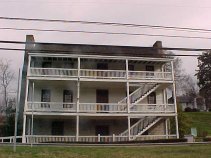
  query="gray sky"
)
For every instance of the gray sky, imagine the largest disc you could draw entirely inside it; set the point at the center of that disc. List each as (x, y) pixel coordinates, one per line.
(180, 13)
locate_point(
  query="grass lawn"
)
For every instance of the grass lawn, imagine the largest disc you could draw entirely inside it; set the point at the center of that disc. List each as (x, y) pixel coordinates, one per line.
(200, 120)
(190, 151)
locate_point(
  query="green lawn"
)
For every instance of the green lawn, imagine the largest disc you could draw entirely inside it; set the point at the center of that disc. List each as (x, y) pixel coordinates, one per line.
(200, 120)
(190, 151)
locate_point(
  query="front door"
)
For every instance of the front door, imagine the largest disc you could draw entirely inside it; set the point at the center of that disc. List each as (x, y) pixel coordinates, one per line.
(103, 130)
(102, 97)
(57, 128)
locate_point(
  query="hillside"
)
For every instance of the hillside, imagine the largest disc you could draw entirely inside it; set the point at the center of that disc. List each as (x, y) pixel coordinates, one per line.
(201, 121)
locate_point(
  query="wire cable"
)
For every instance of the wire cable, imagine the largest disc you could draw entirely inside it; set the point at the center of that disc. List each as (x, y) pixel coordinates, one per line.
(105, 23)
(108, 33)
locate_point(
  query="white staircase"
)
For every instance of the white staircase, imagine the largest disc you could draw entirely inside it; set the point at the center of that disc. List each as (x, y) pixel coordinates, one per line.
(141, 126)
(139, 94)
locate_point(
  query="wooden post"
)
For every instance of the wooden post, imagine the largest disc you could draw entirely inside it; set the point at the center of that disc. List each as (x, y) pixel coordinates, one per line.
(113, 137)
(32, 123)
(16, 112)
(128, 88)
(174, 97)
(128, 128)
(166, 125)
(25, 105)
(78, 87)
(77, 127)
(98, 137)
(164, 100)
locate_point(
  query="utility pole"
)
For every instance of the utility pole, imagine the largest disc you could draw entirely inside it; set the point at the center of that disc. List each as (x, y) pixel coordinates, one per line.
(16, 112)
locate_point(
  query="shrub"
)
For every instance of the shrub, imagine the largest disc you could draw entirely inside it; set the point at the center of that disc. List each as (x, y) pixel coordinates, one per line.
(195, 110)
(188, 109)
(207, 139)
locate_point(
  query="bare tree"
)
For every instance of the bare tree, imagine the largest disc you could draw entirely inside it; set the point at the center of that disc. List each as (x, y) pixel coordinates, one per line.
(6, 76)
(185, 84)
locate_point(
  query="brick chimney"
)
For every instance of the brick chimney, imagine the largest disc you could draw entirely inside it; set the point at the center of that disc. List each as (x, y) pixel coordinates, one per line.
(158, 44)
(29, 42)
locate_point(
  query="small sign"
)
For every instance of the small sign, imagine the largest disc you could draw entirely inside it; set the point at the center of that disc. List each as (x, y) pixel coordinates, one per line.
(194, 132)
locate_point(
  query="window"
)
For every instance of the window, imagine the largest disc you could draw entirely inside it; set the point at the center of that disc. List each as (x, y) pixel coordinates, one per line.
(150, 68)
(46, 98)
(151, 98)
(67, 98)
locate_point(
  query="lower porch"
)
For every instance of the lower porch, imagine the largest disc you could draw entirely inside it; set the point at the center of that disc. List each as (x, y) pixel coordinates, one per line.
(66, 129)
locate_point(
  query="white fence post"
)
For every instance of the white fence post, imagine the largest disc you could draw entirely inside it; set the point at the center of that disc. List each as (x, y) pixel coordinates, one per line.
(98, 137)
(113, 137)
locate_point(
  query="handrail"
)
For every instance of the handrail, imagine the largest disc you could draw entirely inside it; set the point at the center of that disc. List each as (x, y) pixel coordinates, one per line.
(97, 73)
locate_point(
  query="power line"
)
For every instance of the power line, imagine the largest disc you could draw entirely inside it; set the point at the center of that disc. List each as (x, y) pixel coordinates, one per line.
(105, 32)
(106, 23)
(163, 48)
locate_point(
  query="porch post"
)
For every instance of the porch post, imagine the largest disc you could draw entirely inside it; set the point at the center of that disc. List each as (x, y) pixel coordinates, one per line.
(78, 100)
(77, 127)
(128, 88)
(32, 123)
(25, 101)
(164, 100)
(174, 97)
(177, 128)
(128, 119)
(24, 129)
(78, 87)
(166, 125)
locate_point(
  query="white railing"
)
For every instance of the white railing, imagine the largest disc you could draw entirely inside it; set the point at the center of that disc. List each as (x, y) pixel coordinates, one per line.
(102, 107)
(149, 75)
(53, 72)
(10, 139)
(49, 139)
(152, 108)
(36, 139)
(51, 106)
(102, 74)
(154, 137)
(99, 107)
(65, 139)
(99, 74)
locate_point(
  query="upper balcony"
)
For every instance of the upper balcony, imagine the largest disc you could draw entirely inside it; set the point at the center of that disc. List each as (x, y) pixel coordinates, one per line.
(99, 69)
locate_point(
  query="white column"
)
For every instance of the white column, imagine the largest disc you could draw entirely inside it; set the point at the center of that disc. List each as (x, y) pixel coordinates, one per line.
(78, 87)
(32, 120)
(177, 128)
(164, 99)
(128, 120)
(25, 102)
(174, 97)
(24, 129)
(166, 126)
(77, 127)
(128, 88)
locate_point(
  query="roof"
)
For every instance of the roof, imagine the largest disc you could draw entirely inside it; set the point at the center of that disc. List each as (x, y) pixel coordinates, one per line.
(88, 49)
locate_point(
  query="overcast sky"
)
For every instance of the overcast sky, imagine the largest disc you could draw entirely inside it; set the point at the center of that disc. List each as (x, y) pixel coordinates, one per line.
(179, 13)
